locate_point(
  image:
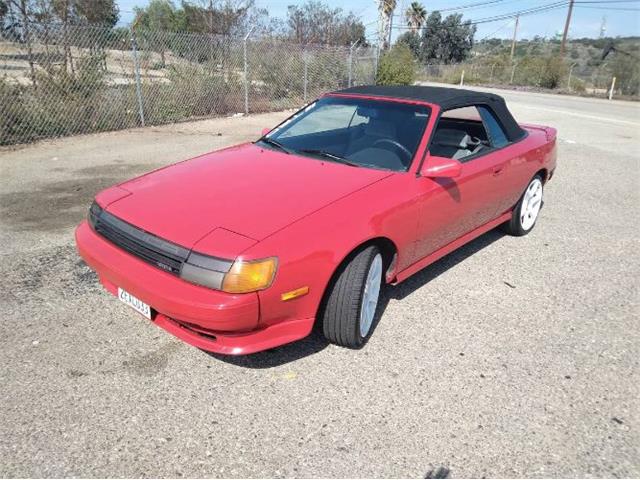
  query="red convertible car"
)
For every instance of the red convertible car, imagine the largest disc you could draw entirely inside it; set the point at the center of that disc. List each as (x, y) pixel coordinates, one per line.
(246, 248)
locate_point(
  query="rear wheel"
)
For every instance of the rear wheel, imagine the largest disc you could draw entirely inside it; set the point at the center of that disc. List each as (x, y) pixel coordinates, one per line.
(352, 301)
(525, 213)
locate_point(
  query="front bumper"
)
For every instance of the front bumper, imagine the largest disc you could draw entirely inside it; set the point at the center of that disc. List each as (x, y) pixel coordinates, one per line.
(208, 319)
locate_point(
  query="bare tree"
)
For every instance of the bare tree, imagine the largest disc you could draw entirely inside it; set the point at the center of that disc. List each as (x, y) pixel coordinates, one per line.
(24, 8)
(64, 10)
(316, 23)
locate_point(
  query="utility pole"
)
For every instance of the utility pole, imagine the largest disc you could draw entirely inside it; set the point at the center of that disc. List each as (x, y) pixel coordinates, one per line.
(566, 28)
(390, 28)
(515, 33)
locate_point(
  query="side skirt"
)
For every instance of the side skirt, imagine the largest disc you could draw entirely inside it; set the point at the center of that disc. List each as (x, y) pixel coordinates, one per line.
(450, 247)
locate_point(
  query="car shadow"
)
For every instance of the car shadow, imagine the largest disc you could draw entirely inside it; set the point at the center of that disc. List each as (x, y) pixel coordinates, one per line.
(315, 342)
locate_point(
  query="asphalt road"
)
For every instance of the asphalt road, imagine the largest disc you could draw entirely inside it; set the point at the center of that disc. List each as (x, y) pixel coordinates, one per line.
(511, 357)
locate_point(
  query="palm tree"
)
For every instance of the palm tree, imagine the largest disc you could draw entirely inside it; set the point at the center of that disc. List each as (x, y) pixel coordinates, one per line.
(386, 9)
(416, 15)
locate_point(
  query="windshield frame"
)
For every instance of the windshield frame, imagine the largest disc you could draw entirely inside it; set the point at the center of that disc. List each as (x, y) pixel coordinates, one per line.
(431, 110)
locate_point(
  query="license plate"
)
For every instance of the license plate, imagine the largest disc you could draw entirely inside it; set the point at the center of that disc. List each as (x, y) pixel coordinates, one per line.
(135, 303)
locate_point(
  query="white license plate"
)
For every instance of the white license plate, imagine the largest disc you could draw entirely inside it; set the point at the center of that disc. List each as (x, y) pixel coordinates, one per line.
(134, 303)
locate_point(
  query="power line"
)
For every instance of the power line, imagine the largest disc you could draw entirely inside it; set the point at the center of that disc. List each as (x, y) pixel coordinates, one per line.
(606, 2)
(469, 5)
(625, 9)
(506, 16)
(521, 13)
(496, 31)
(540, 9)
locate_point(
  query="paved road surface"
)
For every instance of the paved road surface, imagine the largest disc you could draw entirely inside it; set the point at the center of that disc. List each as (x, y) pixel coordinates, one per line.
(511, 357)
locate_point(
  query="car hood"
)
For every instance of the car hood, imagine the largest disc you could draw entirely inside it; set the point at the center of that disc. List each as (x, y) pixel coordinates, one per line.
(245, 189)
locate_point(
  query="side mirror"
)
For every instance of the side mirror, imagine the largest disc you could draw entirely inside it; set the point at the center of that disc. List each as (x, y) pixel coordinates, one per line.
(265, 131)
(440, 167)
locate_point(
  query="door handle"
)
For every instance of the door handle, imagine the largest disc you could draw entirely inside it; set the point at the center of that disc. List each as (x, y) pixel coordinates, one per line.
(498, 170)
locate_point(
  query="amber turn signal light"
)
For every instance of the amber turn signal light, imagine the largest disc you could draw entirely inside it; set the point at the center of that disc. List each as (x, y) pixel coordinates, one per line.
(298, 292)
(250, 276)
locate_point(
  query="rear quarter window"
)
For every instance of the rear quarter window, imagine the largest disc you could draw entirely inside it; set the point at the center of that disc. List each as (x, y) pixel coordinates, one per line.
(497, 136)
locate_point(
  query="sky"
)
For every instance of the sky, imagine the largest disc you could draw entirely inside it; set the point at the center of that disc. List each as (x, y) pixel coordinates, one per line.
(622, 17)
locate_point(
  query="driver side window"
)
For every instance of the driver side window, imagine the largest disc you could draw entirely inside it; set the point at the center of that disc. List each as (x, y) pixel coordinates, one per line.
(460, 134)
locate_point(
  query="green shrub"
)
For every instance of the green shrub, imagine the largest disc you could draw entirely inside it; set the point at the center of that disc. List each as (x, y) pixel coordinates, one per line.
(63, 103)
(452, 75)
(397, 66)
(554, 70)
(626, 69)
(578, 85)
(546, 72)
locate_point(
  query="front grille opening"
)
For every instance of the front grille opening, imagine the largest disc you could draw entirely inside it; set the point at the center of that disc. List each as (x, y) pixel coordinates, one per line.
(141, 244)
(197, 330)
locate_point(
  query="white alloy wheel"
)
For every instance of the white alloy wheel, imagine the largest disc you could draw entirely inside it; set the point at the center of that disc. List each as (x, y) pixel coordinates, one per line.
(370, 295)
(531, 204)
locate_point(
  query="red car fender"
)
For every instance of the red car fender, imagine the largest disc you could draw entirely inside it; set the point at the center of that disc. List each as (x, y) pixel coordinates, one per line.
(310, 250)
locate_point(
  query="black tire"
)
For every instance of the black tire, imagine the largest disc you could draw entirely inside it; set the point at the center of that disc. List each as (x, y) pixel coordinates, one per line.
(514, 226)
(341, 313)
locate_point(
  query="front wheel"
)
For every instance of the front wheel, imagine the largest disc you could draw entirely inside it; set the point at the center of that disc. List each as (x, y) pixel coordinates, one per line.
(350, 308)
(526, 211)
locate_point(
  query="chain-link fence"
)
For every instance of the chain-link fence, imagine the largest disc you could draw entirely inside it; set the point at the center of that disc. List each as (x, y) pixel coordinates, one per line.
(65, 80)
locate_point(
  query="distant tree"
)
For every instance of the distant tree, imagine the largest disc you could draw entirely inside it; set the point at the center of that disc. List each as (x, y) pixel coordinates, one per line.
(157, 15)
(226, 17)
(4, 9)
(349, 30)
(385, 11)
(155, 21)
(7, 21)
(65, 11)
(97, 12)
(415, 15)
(411, 40)
(20, 14)
(316, 23)
(446, 41)
(43, 13)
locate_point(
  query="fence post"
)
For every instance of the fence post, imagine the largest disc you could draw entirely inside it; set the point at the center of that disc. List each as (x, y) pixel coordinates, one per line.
(462, 78)
(513, 72)
(491, 76)
(246, 72)
(613, 85)
(136, 69)
(351, 59)
(569, 79)
(305, 57)
(377, 60)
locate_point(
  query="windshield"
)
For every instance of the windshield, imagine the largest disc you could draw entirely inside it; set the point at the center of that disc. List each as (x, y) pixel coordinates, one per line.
(358, 132)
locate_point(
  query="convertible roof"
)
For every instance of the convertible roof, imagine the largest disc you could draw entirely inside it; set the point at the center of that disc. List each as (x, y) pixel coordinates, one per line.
(446, 98)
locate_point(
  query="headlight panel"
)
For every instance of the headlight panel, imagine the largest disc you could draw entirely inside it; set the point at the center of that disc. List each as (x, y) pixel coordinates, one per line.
(205, 270)
(241, 276)
(94, 212)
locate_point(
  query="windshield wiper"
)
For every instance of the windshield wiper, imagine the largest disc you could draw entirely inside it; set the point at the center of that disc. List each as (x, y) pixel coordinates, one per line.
(331, 156)
(277, 144)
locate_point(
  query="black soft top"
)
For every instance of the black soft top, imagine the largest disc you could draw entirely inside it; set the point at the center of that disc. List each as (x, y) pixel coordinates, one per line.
(446, 98)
